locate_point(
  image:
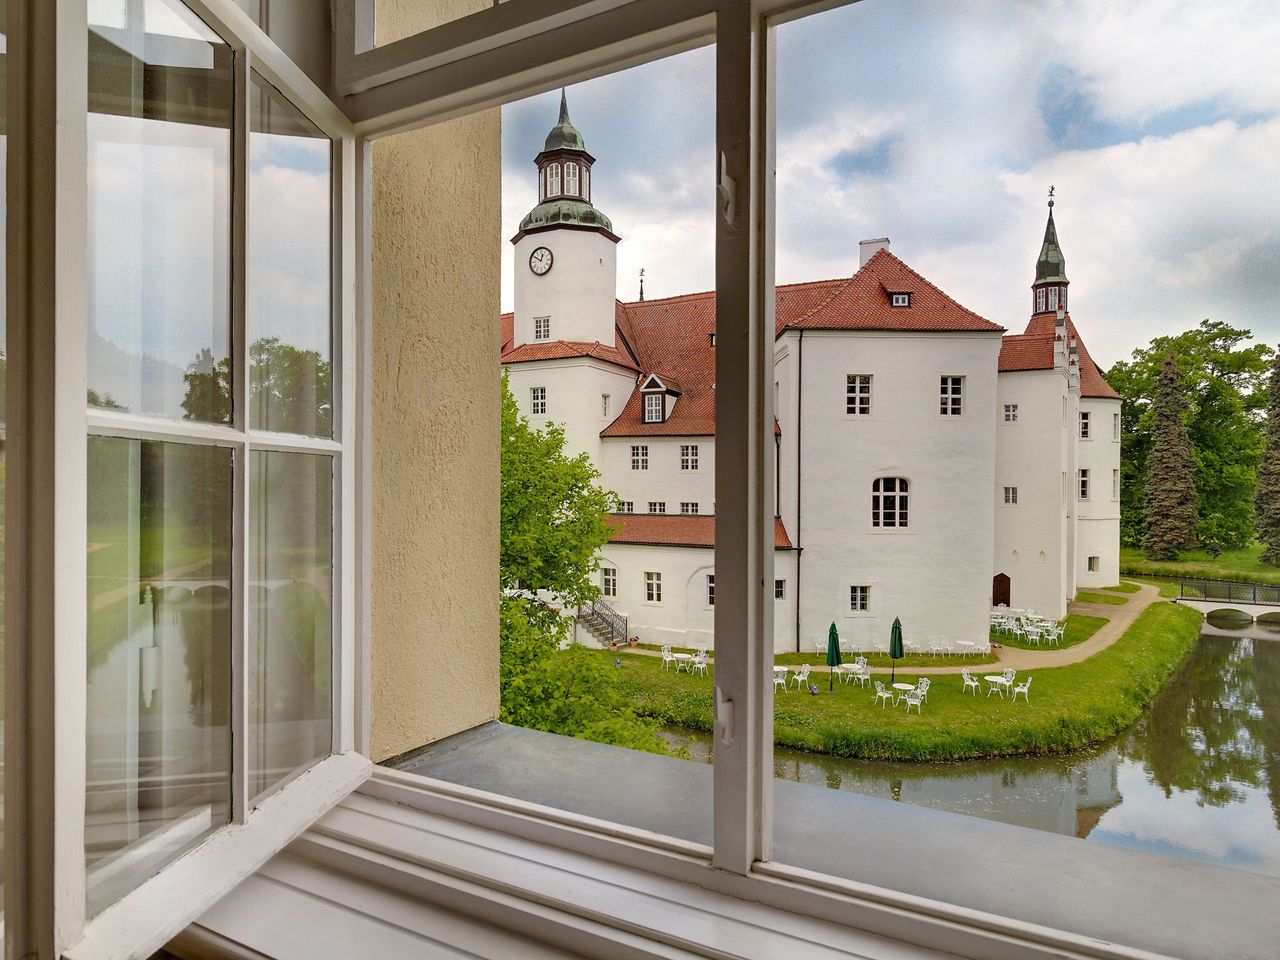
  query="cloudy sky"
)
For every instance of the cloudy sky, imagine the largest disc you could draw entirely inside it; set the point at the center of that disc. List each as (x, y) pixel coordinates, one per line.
(941, 126)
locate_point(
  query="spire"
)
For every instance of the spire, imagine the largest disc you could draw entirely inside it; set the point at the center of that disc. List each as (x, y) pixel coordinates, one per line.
(642, 283)
(564, 135)
(1051, 267)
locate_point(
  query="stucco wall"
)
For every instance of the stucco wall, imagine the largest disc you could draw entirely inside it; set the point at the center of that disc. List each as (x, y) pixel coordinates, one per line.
(434, 644)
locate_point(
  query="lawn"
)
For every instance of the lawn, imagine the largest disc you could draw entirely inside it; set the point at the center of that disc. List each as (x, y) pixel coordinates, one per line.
(1124, 587)
(1070, 706)
(1078, 629)
(1168, 588)
(874, 660)
(1086, 597)
(1231, 565)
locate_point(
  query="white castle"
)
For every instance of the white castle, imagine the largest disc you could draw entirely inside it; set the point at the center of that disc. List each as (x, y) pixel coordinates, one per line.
(929, 464)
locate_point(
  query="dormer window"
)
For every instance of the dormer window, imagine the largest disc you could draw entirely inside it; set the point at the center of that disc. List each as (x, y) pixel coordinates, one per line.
(900, 299)
(553, 179)
(654, 408)
(571, 179)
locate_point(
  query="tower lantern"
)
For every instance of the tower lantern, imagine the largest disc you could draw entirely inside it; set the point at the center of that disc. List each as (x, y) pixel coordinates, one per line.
(1049, 291)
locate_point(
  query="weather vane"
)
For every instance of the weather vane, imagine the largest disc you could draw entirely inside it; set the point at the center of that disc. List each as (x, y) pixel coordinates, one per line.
(1051, 194)
(642, 283)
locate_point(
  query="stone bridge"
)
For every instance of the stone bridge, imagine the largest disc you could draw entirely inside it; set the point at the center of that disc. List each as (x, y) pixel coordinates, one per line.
(1253, 600)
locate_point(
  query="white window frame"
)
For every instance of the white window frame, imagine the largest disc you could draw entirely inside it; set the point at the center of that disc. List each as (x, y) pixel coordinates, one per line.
(586, 183)
(1052, 299)
(951, 395)
(654, 407)
(859, 598)
(639, 456)
(711, 590)
(1115, 485)
(626, 506)
(901, 496)
(1093, 564)
(689, 456)
(779, 589)
(857, 394)
(1082, 483)
(571, 179)
(653, 586)
(541, 329)
(899, 299)
(537, 401)
(1115, 427)
(1010, 413)
(1039, 299)
(1086, 425)
(604, 406)
(657, 506)
(553, 179)
(689, 508)
(48, 425)
(1011, 496)
(608, 581)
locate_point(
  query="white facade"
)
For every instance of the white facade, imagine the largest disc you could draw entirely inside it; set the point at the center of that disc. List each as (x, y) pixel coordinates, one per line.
(576, 293)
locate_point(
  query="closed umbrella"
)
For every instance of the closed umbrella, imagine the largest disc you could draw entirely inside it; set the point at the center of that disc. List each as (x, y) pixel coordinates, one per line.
(833, 654)
(896, 652)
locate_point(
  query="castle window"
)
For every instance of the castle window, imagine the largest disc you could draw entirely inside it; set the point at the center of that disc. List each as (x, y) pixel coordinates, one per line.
(626, 506)
(1011, 496)
(889, 502)
(571, 179)
(688, 456)
(857, 394)
(951, 396)
(553, 179)
(537, 400)
(689, 507)
(1115, 426)
(711, 589)
(779, 589)
(1095, 564)
(604, 405)
(609, 581)
(900, 299)
(1062, 298)
(1053, 298)
(652, 586)
(1039, 299)
(586, 184)
(657, 506)
(640, 456)
(1083, 477)
(1084, 425)
(859, 598)
(653, 408)
(1010, 413)
(542, 328)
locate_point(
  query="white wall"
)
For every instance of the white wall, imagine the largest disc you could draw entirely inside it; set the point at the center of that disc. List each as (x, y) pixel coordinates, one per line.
(664, 480)
(578, 293)
(936, 574)
(1098, 518)
(683, 618)
(574, 388)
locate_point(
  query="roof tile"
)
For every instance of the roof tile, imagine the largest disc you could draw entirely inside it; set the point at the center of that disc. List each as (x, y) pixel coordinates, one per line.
(676, 531)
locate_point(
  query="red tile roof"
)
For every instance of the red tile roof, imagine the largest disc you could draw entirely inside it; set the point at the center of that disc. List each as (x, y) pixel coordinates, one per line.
(1092, 382)
(560, 349)
(676, 531)
(1021, 352)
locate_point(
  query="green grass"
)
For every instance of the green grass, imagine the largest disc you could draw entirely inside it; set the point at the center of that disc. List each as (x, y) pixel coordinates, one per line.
(1168, 588)
(1078, 628)
(874, 660)
(1070, 707)
(1231, 565)
(1084, 597)
(1124, 587)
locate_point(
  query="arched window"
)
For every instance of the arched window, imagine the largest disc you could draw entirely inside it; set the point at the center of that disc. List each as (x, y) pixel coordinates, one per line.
(1039, 299)
(571, 179)
(586, 184)
(889, 502)
(553, 179)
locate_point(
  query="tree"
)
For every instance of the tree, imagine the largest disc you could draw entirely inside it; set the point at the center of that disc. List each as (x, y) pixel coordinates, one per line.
(1170, 503)
(1266, 499)
(1224, 378)
(553, 526)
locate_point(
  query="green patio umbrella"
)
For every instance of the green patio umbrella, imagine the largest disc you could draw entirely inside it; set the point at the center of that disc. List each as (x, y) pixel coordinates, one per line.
(896, 652)
(833, 655)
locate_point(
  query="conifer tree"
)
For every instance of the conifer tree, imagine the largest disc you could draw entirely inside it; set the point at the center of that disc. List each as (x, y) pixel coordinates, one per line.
(1266, 498)
(1171, 508)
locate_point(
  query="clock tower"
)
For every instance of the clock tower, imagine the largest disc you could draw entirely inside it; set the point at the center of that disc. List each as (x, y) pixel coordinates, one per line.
(565, 250)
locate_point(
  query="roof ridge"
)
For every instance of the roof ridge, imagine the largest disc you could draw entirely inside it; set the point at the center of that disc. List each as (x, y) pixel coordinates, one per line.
(625, 304)
(950, 299)
(834, 293)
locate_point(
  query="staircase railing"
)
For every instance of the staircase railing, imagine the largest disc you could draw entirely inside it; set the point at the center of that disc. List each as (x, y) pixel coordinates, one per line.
(608, 616)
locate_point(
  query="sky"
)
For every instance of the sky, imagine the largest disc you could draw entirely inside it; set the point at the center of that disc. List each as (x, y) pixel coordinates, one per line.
(942, 126)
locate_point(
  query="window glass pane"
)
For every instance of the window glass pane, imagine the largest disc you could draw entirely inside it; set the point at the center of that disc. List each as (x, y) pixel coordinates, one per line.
(159, 184)
(290, 268)
(159, 656)
(290, 614)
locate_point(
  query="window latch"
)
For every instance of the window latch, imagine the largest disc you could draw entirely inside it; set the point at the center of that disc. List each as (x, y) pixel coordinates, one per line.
(727, 189)
(724, 718)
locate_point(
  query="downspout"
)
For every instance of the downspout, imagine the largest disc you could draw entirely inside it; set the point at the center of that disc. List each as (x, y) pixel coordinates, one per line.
(798, 543)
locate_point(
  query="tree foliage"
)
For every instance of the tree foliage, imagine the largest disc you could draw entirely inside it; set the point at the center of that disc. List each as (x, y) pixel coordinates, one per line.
(553, 526)
(1266, 499)
(1170, 502)
(1223, 375)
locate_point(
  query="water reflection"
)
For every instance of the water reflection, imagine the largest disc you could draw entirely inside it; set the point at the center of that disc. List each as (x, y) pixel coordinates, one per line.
(1197, 776)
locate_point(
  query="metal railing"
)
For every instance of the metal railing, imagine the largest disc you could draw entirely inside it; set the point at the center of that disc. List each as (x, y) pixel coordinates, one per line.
(607, 616)
(1230, 591)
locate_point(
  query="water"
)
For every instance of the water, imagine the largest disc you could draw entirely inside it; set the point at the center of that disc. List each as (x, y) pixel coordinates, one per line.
(1196, 777)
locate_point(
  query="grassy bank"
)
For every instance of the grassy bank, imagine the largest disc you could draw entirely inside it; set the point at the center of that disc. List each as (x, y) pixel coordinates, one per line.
(1231, 565)
(1070, 706)
(1077, 629)
(1086, 597)
(1123, 587)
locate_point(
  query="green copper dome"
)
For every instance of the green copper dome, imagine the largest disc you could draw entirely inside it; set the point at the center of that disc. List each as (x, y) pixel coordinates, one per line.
(564, 135)
(565, 212)
(1052, 265)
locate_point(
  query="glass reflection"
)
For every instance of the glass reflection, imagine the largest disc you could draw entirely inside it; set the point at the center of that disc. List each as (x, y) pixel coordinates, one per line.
(289, 268)
(290, 614)
(159, 656)
(159, 182)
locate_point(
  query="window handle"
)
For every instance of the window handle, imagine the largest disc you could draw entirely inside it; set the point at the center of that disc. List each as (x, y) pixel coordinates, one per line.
(724, 718)
(727, 189)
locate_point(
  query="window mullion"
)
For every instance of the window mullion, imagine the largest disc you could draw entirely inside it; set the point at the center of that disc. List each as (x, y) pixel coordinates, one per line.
(241, 514)
(743, 744)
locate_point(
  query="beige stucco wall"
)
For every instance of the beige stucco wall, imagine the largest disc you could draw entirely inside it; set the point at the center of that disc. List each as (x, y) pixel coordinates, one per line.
(436, 261)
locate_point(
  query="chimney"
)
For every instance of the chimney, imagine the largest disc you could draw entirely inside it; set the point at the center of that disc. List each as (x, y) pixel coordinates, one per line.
(867, 249)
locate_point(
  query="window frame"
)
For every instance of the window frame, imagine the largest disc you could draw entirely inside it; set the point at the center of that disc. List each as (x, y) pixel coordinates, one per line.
(541, 329)
(689, 457)
(689, 508)
(858, 389)
(537, 401)
(951, 400)
(639, 456)
(901, 500)
(608, 581)
(1082, 484)
(859, 598)
(653, 586)
(1086, 425)
(1010, 413)
(657, 507)
(1010, 496)
(655, 412)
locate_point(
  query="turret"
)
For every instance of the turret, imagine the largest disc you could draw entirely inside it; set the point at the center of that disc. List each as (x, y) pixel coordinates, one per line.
(1049, 290)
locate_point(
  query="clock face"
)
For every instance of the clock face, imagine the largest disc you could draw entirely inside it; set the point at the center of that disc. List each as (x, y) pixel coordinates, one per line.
(540, 261)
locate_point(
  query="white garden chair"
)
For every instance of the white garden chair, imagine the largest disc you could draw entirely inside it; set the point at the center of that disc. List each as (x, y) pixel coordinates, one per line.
(969, 682)
(780, 679)
(801, 676)
(1023, 688)
(923, 687)
(820, 647)
(914, 697)
(668, 657)
(883, 696)
(699, 663)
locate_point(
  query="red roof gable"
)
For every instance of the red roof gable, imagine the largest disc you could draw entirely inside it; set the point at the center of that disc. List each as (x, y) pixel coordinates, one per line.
(561, 349)
(676, 531)
(1092, 382)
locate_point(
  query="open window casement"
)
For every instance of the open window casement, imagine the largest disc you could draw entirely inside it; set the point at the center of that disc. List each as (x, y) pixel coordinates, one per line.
(182, 444)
